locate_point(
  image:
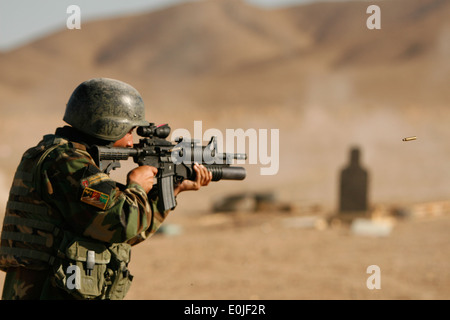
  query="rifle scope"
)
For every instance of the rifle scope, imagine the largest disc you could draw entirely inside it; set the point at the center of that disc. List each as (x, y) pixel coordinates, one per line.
(161, 131)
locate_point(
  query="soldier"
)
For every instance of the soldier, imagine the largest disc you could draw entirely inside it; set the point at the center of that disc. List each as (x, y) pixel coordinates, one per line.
(68, 227)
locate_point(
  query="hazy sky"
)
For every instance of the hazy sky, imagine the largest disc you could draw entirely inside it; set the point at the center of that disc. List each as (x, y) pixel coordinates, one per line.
(24, 20)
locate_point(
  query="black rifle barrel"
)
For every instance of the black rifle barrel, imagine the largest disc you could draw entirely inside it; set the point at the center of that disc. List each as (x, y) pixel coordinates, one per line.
(198, 153)
(235, 156)
(226, 173)
(116, 153)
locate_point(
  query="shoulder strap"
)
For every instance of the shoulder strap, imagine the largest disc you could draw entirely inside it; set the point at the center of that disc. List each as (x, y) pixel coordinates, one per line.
(37, 169)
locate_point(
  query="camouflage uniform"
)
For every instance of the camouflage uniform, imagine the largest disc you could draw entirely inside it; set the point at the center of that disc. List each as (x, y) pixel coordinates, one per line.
(59, 188)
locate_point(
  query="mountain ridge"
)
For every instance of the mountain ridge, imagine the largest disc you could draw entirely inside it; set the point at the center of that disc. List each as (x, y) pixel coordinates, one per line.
(218, 40)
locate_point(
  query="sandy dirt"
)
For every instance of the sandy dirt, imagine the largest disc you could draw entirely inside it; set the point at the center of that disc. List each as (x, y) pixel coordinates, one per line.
(264, 256)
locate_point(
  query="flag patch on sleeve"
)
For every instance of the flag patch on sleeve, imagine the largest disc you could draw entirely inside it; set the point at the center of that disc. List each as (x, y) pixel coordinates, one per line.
(95, 198)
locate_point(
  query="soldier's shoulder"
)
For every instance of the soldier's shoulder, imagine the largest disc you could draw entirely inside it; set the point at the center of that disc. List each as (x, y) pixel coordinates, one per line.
(57, 151)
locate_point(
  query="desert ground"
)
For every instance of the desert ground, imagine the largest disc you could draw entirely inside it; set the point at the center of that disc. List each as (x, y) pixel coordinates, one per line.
(263, 255)
(290, 251)
(260, 256)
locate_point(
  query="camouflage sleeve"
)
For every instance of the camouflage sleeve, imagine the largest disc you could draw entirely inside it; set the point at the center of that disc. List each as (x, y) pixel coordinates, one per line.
(92, 204)
(157, 220)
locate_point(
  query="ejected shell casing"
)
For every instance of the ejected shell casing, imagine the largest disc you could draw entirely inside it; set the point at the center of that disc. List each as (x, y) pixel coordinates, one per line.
(409, 138)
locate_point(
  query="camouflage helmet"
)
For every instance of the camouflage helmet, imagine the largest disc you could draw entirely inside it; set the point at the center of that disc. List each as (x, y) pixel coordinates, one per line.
(105, 108)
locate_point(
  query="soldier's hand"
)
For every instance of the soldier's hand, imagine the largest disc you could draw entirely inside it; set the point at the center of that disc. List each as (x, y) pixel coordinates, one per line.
(203, 178)
(144, 176)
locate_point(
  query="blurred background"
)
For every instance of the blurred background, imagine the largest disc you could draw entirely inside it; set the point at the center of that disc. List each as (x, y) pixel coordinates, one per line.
(311, 69)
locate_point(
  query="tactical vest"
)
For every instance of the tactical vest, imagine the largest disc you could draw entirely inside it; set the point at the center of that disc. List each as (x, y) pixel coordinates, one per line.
(30, 226)
(34, 237)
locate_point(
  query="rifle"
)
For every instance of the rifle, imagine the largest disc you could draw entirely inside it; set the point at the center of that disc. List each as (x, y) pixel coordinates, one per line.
(174, 161)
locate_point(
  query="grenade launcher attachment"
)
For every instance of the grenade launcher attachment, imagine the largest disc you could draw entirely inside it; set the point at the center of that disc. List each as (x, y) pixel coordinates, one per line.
(174, 161)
